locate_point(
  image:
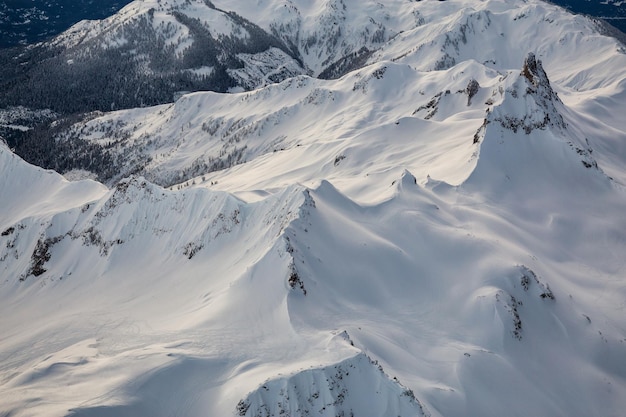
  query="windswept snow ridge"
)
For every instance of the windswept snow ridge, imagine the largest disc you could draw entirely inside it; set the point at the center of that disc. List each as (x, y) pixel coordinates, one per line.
(434, 226)
(356, 386)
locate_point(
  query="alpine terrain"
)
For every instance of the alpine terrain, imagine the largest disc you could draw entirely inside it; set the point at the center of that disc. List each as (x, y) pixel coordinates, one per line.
(315, 208)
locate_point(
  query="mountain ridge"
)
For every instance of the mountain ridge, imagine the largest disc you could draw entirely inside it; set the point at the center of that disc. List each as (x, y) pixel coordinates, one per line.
(460, 33)
(431, 233)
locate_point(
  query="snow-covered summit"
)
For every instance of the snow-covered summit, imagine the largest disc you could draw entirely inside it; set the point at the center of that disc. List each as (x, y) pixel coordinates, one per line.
(531, 127)
(436, 230)
(446, 42)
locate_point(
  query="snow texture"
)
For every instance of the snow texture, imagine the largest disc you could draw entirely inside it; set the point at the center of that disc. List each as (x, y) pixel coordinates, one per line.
(438, 232)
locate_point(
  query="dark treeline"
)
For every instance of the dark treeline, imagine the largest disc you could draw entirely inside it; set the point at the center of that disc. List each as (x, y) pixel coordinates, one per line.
(39, 147)
(143, 71)
(346, 64)
(98, 74)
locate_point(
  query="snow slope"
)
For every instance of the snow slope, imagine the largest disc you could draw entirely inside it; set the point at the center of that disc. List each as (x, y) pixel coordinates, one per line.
(174, 143)
(402, 240)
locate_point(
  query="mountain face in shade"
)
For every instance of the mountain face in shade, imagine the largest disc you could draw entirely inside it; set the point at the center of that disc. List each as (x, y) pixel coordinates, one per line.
(391, 209)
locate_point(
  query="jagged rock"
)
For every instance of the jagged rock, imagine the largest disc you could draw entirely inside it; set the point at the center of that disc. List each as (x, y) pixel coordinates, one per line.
(542, 104)
(472, 88)
(334, 390)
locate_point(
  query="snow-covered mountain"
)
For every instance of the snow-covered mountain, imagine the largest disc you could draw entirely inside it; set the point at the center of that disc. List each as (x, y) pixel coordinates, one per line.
(39, 20)
(493, 40)
(154, 50)
(148, 53)
(436, 230)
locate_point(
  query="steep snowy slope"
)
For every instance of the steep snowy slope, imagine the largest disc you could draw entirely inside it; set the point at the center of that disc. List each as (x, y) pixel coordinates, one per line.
(38, 192)
(146, 54)
(174, 143)
(329, 31)
(204, 39)
(410, 239)
(193, 302)
(152, 52)
(336, 124)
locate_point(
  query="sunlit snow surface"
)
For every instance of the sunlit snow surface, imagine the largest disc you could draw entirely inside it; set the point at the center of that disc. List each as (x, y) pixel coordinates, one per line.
(394, 242)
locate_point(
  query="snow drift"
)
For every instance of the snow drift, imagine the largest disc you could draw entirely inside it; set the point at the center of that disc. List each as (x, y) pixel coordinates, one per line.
(410, 238)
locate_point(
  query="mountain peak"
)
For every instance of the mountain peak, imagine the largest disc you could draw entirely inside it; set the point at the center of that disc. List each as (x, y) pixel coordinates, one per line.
(530, 102)
(270, 252)
(540, 87)
(529, 128)
(533, 70)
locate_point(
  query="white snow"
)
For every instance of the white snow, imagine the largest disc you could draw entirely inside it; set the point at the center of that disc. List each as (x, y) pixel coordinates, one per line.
(16, 127)
(381, 244)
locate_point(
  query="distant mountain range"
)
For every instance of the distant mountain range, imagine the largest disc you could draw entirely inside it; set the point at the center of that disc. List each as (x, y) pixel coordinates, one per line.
(152, 52)
(23, 23)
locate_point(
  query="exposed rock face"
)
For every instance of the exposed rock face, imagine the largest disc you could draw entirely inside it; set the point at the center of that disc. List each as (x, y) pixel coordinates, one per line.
(335, 390)
(472, 88)
(534, 104)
